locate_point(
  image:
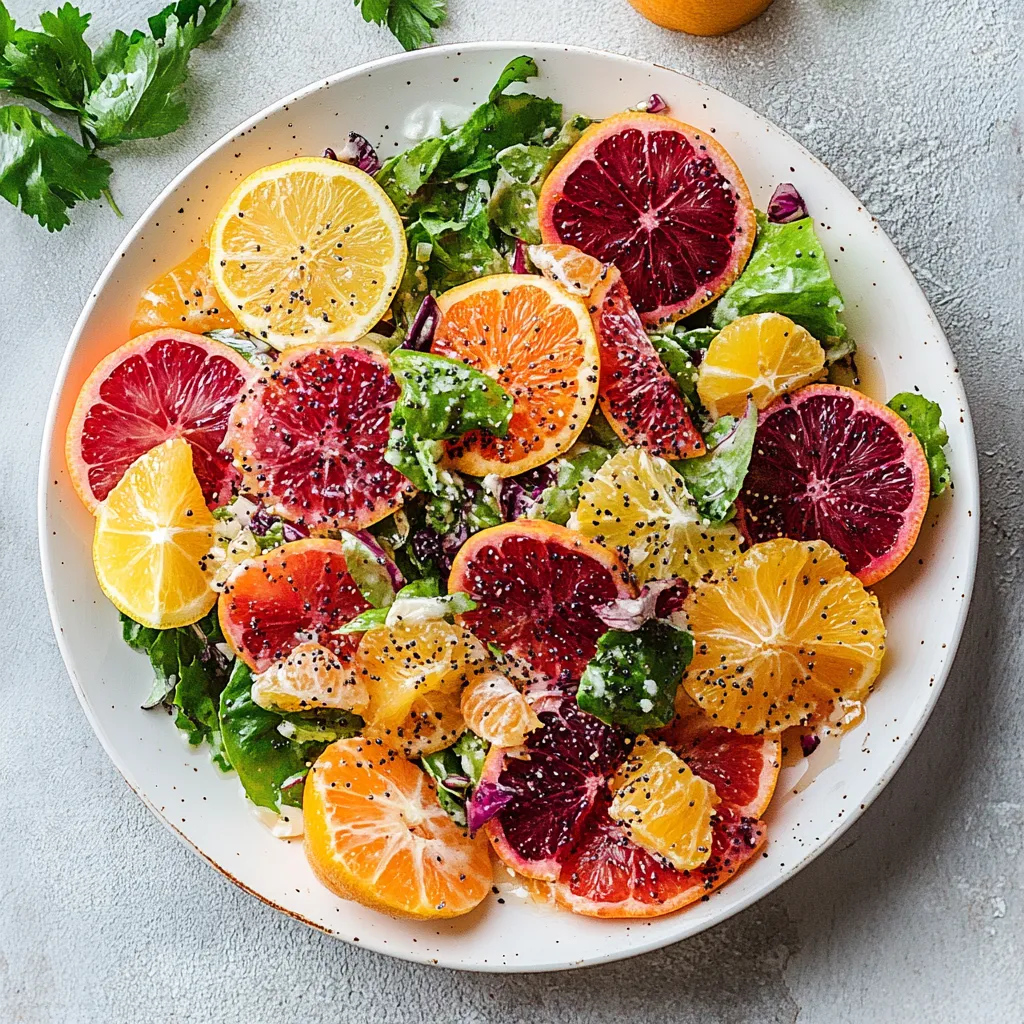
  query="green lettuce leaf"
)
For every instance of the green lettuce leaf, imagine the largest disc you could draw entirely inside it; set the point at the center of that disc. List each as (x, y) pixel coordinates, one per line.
(632, 679)
(925, 419)
(368, 573)
(420, 600)
(580, 465)
(787, 273)
(681, 351)
(456, 770)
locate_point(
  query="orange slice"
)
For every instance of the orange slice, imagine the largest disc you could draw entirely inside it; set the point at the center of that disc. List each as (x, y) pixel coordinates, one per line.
(572, 268)
(784, 637)
(375, 833)
(538, 343)
(495, 709)
(310, 677)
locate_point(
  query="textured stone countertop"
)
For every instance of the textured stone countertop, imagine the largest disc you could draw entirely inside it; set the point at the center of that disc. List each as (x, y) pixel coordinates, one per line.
(917, 914)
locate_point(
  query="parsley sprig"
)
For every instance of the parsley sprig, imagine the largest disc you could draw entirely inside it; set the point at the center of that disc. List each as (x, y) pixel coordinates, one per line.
(129, 88)
(411, 22)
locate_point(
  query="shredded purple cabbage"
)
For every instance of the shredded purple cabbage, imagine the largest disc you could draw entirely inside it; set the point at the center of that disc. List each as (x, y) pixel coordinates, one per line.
(421, 331)
(809, 743)
(519, 258)
(292, 531)
(656, 600)
(487, 800)
(656, 103)
(261, 521)
(786, 205)
(358, 152)
(520, 495)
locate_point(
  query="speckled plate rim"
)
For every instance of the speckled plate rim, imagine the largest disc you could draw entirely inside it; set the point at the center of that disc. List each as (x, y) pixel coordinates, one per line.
(967, 485)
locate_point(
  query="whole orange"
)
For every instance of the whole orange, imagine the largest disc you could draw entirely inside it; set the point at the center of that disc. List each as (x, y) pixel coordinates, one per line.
(701, 17)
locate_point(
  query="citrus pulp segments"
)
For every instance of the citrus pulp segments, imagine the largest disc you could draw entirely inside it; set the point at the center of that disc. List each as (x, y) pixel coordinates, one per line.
(307, 250)
(784, 637)
(298, 592)
(662, 201)
(638, 504)
(538, 343)
(536, 585)
(153, 534)
(309, 434)
(375, 833)
(496, 711)
(831, 463)
(161, 385)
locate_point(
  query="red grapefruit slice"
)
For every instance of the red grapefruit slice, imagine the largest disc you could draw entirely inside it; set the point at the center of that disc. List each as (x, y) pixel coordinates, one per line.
(309, 436)
(159, 386)
(299, 592)
(831, 464)
(661, 200)
(637, 394)
(536, 585)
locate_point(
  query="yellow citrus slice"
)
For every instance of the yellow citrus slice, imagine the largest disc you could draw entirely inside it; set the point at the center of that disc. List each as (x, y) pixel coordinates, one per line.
(763, 355)
(310, 677)
(153, 539)
(375, 833)
(663, 806)
(785, 637)
(495, 709)
(638, 504)
(308, 250)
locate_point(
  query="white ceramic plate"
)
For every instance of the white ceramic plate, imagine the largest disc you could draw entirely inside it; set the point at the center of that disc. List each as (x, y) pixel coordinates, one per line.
(901, 346)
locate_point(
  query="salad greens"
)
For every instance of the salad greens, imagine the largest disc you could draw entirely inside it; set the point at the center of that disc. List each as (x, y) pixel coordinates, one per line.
(457, 770)
(420, 600)
(680, 350)
(633, 677)
(411, 22)
(925, 419)
(580, 464)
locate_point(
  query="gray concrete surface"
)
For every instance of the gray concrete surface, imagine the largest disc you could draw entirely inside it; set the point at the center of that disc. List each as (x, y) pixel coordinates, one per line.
(917, 915)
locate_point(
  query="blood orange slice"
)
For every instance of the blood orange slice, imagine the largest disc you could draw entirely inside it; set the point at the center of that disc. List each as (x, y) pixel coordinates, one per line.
(638, 396)
(309, 436)
(661, 200)
(536, 585)
(537, 342)
(298, 593)
(159, 386)
(831, 464)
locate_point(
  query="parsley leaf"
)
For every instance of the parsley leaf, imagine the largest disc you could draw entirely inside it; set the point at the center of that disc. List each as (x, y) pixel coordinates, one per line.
(925, 419)
(204, 17)
(411, 22)
(44, 171)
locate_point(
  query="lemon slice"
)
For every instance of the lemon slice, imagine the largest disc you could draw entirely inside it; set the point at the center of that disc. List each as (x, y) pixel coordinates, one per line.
(153, 538)
(308, 250)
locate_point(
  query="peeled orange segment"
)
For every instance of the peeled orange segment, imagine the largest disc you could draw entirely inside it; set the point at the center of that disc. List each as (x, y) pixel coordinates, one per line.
(638, 395)
(537, 342)
(310, 677)
(309, 436)
(153, 535)
(784, 637)
(578, 273)
(763, 355)
(829, 462)
(663, 806)
(307, 250)
(495, 710)
(661, 200)
(536, 586)
(375, 833)
(161, 385)
(300, 592)
(184, 298)
(403, 665)
(638, 504)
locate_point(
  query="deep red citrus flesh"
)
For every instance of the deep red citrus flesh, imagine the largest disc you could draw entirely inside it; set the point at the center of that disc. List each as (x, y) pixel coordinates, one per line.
(743, 769)
(536, 585)
(637, 394)
(161, 385)
(309, 436)
(297, 592)
(831, 464)
(661, 200)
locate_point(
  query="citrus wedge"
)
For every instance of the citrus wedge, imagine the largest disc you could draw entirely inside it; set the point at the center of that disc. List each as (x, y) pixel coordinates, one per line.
(307, 250)
(375, 833)
(495, 709)
(310, 677)
(153, 535)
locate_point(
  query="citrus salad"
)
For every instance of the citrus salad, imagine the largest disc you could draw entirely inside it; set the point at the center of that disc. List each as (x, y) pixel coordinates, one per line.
(512, 496)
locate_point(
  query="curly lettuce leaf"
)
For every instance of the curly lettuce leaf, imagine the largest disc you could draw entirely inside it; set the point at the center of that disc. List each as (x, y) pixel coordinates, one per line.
(456, 770)
(579, 466)
(925, 419)
(681, 350)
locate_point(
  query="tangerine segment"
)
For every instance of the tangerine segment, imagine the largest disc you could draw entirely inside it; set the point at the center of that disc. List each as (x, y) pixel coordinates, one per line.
(536, 585)
(160, 385)
(578, 273)
(496, 711)
(309, 436)
(537, 342)
(310, 677)
(784, 637)
(638, 504)
(299, 592)
(403, 664)
(763, 355)
(664, 806)
(375, 833)
(153, 534)
(184, 298)
(308, 250)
